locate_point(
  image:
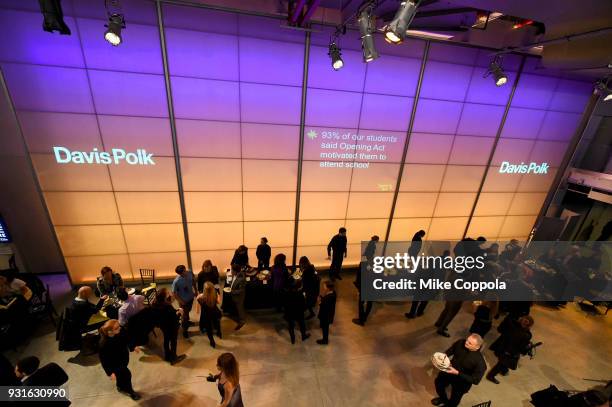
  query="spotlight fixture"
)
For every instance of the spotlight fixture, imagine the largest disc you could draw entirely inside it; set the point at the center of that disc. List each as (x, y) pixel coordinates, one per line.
(116, 23)
(336, 56)
(53, 16)
(395, 32)
(367, 25)
(497, 71)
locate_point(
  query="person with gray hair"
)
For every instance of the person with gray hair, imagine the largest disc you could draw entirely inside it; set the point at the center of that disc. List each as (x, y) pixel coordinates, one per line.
(467, 368)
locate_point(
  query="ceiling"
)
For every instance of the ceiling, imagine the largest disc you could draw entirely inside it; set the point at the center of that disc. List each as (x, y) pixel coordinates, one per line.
(576, 34)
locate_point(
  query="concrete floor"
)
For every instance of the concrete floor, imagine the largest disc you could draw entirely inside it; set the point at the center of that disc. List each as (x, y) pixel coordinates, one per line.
(385, 363)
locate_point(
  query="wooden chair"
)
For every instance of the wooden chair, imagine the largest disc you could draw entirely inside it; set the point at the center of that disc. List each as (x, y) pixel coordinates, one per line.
(149, 286)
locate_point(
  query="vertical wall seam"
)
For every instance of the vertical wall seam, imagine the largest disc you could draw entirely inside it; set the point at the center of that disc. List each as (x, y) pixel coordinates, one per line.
(494, 146)
(298, 188)
(171, 117)
(406, 143)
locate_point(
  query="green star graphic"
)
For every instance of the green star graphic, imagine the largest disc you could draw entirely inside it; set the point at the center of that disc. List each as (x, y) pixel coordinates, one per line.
(312, 134)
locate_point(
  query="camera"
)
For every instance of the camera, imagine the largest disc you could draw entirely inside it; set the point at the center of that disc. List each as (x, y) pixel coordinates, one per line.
(211, 378)
(531, 350)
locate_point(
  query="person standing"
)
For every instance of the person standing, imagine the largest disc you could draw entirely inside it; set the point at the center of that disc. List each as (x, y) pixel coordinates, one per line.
(280, 277)
(483, 318)
(263, 253)
(370, 249)
(228, 381)
(311, 284)
(210, 273)
(450, 311)
(167, 318)
(336, 252)
(417, 308)
(238, 293)
(115, 356)
(327, 310)
(294, 306)
(467, 368)
(514, 341)
(210, 317)
(365, 307)
(184, 289)
(241, 256)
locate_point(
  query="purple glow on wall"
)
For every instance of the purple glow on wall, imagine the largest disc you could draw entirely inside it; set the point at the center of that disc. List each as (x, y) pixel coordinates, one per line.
(236, 88)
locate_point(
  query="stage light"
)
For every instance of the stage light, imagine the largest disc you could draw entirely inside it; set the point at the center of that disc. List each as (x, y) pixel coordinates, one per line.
(115, 24)
(53, 16)
(367, 25)
(336, 56)
(497, 71)
(395, 32)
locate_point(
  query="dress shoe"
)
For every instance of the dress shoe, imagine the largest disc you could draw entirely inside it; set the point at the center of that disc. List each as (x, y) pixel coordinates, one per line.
(304, 337)
(357, 321)
(437, 401)
(177, 359)
(240, 325)
(492, 379)
(322, 342)
(409, 315)
(135, 396)
(185, 334)
(338, 277)
(443, 333)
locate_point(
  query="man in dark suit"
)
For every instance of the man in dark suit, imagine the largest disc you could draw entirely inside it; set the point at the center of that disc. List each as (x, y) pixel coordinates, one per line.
(238, 293)
(327, 310)
(263, 253)
(467, 368)
(25, 368)
(336, 251)
(82, 309)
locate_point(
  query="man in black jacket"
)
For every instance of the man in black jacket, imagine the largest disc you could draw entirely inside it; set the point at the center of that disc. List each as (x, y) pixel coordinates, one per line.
(82, 309)
(514, 341)
(327, 310)
(467, 368)
(263, 253)
(25, 368)
(336, 251)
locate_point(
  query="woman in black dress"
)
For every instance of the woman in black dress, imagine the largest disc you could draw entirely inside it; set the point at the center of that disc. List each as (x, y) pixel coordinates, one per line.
(294, 306)
(210, 317)
(115, 356)
(311, 284)
(228, 381)
(210, 273)
(514, 341)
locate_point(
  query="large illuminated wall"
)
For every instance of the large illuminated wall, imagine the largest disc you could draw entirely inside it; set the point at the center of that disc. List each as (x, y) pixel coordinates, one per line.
(236, 87)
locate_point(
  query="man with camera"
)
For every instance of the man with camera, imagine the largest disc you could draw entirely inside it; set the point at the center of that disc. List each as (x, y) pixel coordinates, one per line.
(514, 341)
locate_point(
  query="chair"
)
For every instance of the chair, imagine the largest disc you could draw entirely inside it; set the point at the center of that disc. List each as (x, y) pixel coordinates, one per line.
(41, 305)
(485, 404)
(149, 286)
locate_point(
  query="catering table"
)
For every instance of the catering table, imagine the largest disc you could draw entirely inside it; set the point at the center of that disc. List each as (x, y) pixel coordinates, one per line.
(258, 293)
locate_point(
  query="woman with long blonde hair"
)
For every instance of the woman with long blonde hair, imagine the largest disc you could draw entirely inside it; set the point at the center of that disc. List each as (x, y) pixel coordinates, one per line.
(210, 316)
